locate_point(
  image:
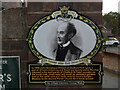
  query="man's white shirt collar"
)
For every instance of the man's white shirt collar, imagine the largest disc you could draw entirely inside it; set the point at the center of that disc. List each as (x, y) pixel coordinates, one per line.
(66, 44)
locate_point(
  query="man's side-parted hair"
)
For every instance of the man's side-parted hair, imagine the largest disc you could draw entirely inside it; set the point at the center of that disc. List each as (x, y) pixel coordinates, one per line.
(71, 29)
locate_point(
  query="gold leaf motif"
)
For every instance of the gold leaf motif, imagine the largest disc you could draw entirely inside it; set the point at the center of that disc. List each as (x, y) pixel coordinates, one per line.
(48, 18)
(85, 20)
(91, 22)
(38, 22)
(91, 53)
(89, 57)
(81, 17)
(32, 31)
(40, 57)
(35, 27)
(97, 31)
(99, 41)
(33, 51)
(93, 27)
(43, 20)
(96, 46)
(30, 41)
(32, 46)
(37, 53)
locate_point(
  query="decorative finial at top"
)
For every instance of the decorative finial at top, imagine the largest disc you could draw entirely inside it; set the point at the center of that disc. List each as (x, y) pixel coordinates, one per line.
(64, 8)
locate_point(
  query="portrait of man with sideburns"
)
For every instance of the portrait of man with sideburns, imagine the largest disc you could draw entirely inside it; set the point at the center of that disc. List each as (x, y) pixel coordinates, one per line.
(66, 50)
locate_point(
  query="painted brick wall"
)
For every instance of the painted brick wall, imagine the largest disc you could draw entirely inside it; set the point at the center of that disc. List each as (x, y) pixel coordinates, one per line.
(15, 4)
(14, 31)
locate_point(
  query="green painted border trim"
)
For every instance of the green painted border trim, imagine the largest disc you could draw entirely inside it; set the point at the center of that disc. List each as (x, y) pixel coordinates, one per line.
(76, 16)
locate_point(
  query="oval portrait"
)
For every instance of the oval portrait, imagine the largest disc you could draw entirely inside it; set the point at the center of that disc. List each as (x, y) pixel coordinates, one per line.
(64, 38)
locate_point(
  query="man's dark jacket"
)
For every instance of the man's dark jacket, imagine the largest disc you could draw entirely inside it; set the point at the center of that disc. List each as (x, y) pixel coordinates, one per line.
(72, 54)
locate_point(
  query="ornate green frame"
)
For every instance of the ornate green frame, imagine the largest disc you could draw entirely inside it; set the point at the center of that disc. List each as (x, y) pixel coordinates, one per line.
(64, 12)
